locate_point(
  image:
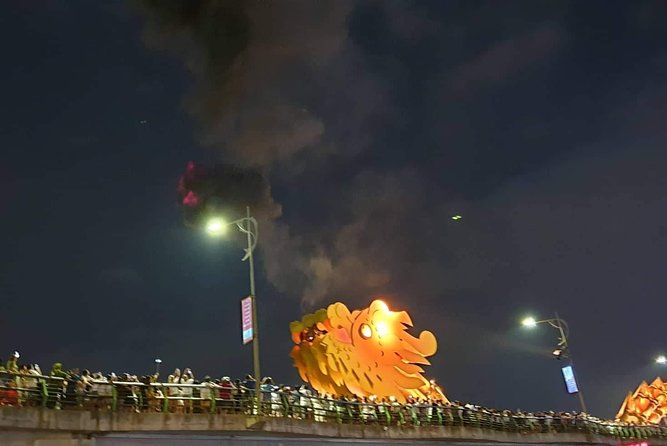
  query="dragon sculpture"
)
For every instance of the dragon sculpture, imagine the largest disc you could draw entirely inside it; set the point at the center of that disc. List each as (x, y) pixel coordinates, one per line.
(647, 405)
(365, 353)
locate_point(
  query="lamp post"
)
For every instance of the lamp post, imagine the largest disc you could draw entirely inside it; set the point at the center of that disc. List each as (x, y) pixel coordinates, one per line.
(158, 361)
(562, 348)
(661, 359)
(248, 226)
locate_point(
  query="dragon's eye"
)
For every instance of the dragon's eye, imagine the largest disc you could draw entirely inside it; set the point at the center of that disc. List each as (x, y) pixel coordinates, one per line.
(365, 331)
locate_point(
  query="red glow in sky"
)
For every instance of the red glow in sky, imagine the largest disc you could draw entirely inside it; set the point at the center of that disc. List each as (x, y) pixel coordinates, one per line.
(191, 199)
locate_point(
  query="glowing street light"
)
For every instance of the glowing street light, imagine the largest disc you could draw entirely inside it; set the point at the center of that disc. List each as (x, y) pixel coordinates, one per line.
(216, 227)
(529, 322)
(661, 359)
(158, 361)
(562, 349)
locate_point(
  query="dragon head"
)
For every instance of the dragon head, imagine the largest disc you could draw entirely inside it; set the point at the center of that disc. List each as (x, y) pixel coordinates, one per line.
(365, 352)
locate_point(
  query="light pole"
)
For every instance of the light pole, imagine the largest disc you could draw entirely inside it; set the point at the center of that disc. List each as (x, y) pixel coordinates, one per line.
(158, 361)
(562, 348)
(248, 226)
(661, 359)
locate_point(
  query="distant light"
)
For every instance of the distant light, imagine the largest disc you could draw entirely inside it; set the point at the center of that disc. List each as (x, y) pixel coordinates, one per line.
(216, 226)
(662, 359)
(558, 353)
(158, 361)
(456, 217)
(529, 322)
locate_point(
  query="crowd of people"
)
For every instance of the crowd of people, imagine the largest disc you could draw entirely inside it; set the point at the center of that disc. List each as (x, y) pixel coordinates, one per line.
(181, 392)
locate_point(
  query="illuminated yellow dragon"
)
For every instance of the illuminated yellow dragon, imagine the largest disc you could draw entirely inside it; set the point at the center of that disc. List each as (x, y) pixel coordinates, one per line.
(647, 405)
(364, 353)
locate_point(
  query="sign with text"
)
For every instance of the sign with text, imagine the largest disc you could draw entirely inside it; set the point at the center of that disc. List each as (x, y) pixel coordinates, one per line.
(570, 382)
(246, 320)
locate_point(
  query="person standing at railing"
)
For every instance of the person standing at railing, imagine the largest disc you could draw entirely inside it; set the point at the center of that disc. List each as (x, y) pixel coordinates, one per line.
(11, 395)
(249, 385)
(318, 407)
(29, 382)
(155, 398)
(294, 400)
(70, 387)
(305, 402)
(226, 393)
(125, 394)
(238, 396)
(174, 392)
(82, 387)
(206, 393)
(187, 378)
(270, 397)
(12, 365)
(103, 390)
(56, 387)
(283, 393)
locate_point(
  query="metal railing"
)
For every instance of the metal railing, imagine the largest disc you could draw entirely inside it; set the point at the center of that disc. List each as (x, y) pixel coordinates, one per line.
(62, 394)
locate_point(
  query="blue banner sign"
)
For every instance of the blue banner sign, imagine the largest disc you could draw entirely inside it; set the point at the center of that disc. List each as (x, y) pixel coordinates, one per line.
(570, 382)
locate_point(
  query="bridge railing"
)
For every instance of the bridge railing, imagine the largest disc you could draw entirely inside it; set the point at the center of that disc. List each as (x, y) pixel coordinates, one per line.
(119, 396)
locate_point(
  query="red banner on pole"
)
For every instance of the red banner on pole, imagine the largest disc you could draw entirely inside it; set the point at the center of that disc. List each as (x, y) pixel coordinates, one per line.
(246, 320)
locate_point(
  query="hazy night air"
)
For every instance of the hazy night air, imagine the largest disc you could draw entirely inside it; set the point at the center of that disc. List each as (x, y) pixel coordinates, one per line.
(470, 162)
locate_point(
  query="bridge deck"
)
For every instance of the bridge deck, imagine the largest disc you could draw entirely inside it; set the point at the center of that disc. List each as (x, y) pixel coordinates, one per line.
(44, 427)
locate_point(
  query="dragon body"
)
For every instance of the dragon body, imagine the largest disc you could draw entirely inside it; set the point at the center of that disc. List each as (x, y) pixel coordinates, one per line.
(647, 405)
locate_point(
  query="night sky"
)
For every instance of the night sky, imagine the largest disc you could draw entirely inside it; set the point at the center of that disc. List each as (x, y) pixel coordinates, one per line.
(542, 123)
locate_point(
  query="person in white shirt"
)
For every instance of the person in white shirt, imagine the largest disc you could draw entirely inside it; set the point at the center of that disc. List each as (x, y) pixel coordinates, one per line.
(175, 404)
(189, 379)
(207, 392)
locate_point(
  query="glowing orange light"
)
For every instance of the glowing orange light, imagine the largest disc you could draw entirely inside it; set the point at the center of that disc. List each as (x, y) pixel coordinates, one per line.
(382, 306)
(382, 328)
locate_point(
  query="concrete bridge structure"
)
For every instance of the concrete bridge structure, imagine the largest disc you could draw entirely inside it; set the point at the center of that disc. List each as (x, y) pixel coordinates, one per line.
(46, 427)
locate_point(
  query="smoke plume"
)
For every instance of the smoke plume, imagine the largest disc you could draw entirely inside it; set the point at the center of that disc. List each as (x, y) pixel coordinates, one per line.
(267, 74)
(279, 87)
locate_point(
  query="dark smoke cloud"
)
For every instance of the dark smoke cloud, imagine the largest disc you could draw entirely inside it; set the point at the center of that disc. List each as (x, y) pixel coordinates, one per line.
(282, 87)
(279, 86)
(268, 74)
(224, 189)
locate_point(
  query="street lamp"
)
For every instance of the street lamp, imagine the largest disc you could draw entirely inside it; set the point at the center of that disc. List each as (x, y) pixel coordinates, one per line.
(529, 322)
(216, 227)
(562, 349)
(158, 361)
(661, 359)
